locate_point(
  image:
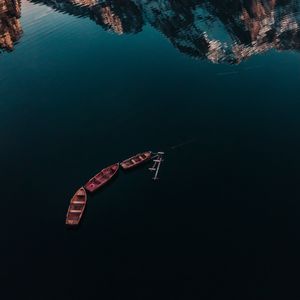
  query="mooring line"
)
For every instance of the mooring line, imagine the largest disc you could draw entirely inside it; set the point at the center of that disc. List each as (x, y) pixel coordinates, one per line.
(183, 143)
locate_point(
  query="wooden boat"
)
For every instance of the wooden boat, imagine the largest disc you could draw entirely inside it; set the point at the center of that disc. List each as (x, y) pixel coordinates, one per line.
(102, 178)
(136, 160)
(76, 207)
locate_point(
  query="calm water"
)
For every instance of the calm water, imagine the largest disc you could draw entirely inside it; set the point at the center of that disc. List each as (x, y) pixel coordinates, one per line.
(215, 84)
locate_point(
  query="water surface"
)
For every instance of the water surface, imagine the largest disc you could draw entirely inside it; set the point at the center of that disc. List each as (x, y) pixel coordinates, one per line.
(214, 84)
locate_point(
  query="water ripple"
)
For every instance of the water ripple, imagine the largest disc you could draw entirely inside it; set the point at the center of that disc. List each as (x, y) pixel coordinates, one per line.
(218, 31)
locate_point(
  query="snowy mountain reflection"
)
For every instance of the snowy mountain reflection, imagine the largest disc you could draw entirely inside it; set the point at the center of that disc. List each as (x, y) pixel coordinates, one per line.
(227, 31)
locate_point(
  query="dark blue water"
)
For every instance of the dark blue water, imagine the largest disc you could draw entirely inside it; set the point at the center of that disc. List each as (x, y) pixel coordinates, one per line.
(214, 84)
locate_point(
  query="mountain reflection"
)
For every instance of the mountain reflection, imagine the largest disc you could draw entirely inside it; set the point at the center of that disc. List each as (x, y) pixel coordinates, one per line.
(10, 28)
(221, 31)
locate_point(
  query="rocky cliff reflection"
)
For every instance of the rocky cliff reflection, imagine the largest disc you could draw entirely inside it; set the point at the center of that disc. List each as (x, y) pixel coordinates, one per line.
(10, 28)
(220, 31)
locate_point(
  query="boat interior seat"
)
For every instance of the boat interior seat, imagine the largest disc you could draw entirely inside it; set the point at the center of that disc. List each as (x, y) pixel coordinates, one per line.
(75, 211)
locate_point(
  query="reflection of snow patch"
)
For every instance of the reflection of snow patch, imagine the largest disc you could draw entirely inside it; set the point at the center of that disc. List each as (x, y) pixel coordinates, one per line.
(287, 23)
(215, 53)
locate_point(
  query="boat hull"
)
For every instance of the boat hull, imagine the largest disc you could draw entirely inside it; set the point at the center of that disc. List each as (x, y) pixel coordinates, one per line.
(76, 208)
(102, 178)
(136, 160)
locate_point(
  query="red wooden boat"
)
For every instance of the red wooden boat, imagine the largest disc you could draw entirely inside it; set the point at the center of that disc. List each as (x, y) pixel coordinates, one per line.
(101, 178)
(136, 160)
(76, 207)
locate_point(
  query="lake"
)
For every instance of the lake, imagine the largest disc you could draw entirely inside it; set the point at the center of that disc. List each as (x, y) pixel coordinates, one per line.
(213, 84)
